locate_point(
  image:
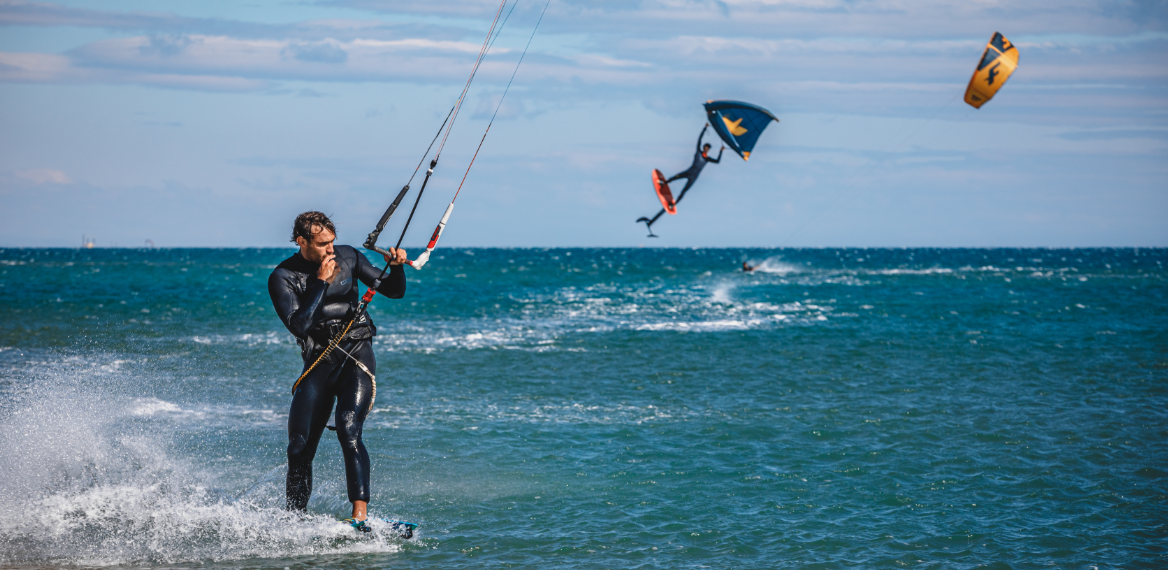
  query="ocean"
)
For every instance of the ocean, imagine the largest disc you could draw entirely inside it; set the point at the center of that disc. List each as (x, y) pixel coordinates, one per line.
(601, 408)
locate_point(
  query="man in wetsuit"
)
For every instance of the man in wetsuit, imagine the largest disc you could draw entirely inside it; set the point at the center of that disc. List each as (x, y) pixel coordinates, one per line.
(315, 293)
(691, 174)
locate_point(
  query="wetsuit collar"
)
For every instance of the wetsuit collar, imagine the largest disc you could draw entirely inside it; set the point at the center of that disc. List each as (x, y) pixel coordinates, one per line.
(298, 263)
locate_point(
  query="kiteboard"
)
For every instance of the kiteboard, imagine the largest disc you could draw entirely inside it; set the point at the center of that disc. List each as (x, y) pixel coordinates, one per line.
(663, 190)
(403, 529)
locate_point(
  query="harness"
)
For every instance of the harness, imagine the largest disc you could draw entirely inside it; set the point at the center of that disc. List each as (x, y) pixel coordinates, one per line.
(448, 123)
(371, 240)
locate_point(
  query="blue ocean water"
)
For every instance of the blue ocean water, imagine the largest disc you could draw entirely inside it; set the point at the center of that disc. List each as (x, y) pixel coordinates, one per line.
(614, 408)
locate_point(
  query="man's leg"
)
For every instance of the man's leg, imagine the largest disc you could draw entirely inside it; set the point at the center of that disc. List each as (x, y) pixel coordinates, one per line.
(690, 181)
(355, 397)
(307, 417)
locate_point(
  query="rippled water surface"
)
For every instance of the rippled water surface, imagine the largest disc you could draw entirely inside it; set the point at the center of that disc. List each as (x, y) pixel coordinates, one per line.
(637, 408)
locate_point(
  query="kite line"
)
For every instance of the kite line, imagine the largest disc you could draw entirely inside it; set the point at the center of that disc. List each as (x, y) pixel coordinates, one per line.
(371, 240)
(426, 255)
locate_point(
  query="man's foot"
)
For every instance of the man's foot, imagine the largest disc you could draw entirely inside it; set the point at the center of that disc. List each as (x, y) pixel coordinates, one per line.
(360, 526)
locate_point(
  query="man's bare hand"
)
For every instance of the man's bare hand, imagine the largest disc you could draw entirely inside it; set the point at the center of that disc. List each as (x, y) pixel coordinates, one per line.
(328, 269)
(399, 256)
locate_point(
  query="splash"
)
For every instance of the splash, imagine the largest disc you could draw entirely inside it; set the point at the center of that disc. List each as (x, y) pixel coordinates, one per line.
(775, 265)
(90, 478)
(722, 292)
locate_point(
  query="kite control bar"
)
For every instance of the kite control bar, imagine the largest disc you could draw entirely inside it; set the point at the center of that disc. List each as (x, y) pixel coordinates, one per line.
(372, 239)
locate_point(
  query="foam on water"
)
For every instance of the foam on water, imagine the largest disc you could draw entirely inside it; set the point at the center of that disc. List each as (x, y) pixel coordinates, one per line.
(88, 480)
(601, 409)
(541, 318)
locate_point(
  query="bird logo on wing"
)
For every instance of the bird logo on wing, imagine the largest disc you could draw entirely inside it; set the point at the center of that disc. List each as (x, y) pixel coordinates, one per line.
(992, 73)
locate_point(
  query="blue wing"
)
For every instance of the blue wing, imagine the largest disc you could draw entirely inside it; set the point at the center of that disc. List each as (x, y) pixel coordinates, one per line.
(739, 124)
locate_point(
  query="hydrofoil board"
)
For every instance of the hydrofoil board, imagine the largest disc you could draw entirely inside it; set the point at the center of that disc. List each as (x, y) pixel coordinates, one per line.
(663, 190)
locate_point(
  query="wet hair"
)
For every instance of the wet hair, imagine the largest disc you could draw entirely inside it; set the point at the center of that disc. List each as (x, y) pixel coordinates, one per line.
(303, 225)
(706, 145)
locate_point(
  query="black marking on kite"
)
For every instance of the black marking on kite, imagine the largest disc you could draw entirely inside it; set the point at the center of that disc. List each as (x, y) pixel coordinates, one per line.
(991, 74)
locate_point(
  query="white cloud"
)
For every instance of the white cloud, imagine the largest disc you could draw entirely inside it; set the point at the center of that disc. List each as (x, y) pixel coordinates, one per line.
(44, 176)
(49, 68)
(410, 59)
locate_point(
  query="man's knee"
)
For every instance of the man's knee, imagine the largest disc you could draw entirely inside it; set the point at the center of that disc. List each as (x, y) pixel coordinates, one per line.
(349, 430)
(297, 447)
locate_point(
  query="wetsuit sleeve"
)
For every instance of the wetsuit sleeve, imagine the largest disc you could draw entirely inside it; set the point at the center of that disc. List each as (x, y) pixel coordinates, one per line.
(716, 159)
(296, 313)
(393, 286)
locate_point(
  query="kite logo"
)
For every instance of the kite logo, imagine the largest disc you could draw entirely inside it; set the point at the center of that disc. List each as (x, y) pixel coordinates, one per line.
(991, 73)
(733, 127)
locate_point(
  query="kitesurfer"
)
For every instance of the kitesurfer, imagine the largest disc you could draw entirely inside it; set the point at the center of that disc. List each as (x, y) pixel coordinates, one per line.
(315, 293)
(691, 174)
(747, 267)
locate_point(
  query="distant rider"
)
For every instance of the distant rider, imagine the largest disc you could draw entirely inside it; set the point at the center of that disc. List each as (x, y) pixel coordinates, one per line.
(701, 159)
(691, 174)
(315, 293)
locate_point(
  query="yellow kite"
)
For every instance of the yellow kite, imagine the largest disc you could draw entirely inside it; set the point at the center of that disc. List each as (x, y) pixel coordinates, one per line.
(1000, 60)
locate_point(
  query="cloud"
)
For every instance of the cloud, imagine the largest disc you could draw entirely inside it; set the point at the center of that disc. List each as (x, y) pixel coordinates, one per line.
(44, 176)
(42, 14)
(804, 54)
(509, 108)
(48, 68)
(806, 18)
(317, 52)
(1114, 134)
(164, 46)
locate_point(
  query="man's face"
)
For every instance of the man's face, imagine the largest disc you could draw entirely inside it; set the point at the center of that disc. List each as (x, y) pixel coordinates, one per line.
(320, 247)
(706, 147)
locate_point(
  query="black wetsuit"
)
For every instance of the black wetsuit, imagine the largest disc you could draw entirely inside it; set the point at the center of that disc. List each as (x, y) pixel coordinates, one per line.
(314, 311)
(691, 174)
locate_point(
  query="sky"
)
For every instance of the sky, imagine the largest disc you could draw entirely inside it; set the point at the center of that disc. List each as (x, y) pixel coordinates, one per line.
(213, 123)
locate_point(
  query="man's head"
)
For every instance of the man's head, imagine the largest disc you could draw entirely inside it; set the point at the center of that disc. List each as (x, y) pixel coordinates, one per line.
(314, 233)
(706, 147)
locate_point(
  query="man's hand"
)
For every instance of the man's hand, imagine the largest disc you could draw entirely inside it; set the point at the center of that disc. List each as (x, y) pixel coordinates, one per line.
(399, 256)
(328, 269)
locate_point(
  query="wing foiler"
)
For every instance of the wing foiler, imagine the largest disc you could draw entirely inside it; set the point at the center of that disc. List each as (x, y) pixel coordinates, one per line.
(1000, 60)
(738, 124)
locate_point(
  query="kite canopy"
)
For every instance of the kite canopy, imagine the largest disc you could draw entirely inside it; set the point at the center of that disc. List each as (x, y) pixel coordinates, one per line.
(738, 124)
(1000, 60)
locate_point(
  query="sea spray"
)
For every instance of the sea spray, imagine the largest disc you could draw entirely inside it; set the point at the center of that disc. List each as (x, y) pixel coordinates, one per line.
(89, 479)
